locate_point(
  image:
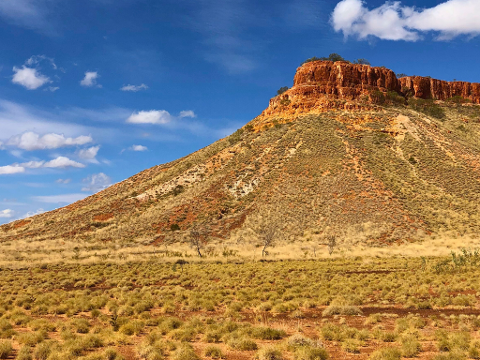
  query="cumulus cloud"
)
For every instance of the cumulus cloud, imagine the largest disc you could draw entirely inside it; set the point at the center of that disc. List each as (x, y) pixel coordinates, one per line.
(32, 141)
(158, 117)
(59, 199)
(33, 164)
(62, 162)
(90, 79)
(138, 148)
(59, 162)
(134, 88)
(63, 181)
(97, 182)
(187, 114)
(11, 169)
(150, 117)
(89, 154)
(7, 213)
(393, 21)
(33, 213)
(28, 77)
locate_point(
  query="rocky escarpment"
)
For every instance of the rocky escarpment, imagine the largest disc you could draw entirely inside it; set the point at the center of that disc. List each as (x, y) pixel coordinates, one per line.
(324, 85)
(427, 88)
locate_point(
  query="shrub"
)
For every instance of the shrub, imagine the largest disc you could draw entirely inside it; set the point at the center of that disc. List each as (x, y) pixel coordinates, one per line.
(386, 354)
(149, 352)
(42, 351)
(214, 352)
(92, 341)
(182, 334)
(110, 354)
(351, 346)
(395, 98)
(361, 62)
(264, 333)
(6, 329)
(132, 328)
(341, 310)
(452, 355)
(269, 353)
(377, 97)
(311, 353)
(331, 332)
(428, 107)
(298, 340)
(332, 57)
(242, 344)
(32, 338)
(282, 90)
(410, 346)
(24, 353)
(81, 326)
(185, 352)
(6, 349)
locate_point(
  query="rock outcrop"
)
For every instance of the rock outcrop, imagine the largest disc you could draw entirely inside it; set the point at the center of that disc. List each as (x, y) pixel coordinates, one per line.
(323, 85)
(427, 88)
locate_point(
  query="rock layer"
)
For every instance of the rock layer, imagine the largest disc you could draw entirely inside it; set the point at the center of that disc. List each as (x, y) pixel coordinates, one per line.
(319, 85)
(427, 88)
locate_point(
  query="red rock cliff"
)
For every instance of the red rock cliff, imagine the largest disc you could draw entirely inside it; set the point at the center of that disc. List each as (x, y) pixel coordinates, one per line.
(427, 88)
(322, 85)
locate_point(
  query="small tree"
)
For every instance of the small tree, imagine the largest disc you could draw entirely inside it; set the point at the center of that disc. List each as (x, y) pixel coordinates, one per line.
(266, 228)
(282, 90)
(362, 62)
(334, 57)
(197, 239)
(331, 243)
(268, 234)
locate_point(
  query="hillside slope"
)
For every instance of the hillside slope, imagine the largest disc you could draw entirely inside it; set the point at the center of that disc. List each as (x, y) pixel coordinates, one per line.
(349, 150)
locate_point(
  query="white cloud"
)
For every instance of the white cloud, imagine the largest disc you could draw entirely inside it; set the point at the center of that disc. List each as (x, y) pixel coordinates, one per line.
(30, 78)
(138, 148)
(187, 114)
(29, 13)
(134, 88)
(150, 117)
(392, 21)
(89, 154)
(90, 79)
(36, 59)
(33, 213)
(33, 164)
(62, 162)
(32, 141)
(63, 181)
(16, 118)
(11, 169)
(7, 213)
(59, 162)
(97, 182)
(60, 199)
(51, 88)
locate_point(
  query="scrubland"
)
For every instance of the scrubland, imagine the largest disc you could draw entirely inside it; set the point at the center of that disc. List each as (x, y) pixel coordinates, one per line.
(348, 307)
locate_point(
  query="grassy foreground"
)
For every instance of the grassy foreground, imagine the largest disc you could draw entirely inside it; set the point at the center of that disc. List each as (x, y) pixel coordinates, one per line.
(347, 308)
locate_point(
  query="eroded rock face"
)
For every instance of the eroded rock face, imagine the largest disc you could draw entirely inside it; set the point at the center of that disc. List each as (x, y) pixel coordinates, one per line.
(348, 81)
(427, 88)
(324, 85)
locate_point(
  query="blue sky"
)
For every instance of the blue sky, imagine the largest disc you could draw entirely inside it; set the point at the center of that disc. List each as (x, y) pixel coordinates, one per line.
(94, 91)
